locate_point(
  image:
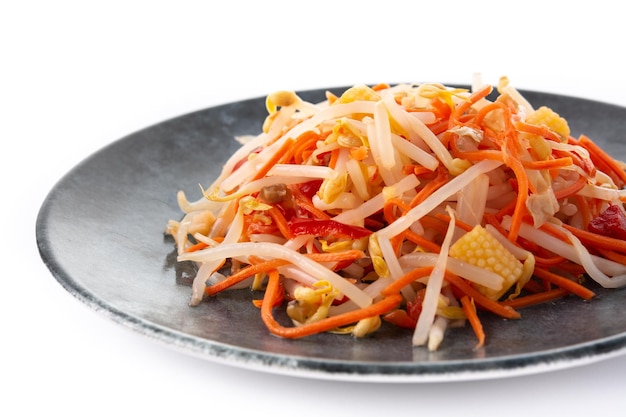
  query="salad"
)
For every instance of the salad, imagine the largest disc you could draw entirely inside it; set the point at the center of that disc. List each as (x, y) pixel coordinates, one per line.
(421, 205)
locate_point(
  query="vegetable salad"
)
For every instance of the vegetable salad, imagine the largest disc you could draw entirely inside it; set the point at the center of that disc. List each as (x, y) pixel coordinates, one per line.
(421, 205)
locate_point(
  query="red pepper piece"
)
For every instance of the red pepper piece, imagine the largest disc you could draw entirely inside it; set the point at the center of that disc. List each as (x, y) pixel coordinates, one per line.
(310, 188)
(400, 318)
(320, 227)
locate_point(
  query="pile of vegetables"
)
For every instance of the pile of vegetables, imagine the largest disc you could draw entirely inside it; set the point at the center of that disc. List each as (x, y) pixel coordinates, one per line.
(421, 205)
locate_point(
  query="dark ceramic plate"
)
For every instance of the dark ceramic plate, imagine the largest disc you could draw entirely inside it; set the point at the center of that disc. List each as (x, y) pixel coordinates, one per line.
(100, 232)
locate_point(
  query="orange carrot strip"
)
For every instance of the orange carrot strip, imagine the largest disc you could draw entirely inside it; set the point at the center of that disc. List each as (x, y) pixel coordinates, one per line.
(488, 108)
(441, 109)
(390, 216)
(198, 246)
(616, 170)
(612, 255)
(421, 241)
(463, 106)
(280, 297)
(433, 223)
(567, 284)
(439, 127)
(306, 140)
(380, 86)
(258, 265)
(542, 131)
(548, 164)
(388, 209)
(492, 219)
(596, 240)
(431, 187)
(506, 209)
(554, 231)
(381, 307)
(347, 255)
(280, 222)
(458, 223)
(571, 189)
(490, 154)
(547, 262)
(334, 155)
(305, 203)
(243, 274)
(282, 150)
(464, 288)
(406, 279)
(533, 299)
(419, 171)
(523, 186)
(470, 312)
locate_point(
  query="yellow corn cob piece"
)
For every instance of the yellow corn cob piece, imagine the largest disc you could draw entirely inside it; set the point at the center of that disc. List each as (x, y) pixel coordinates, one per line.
(545, 116)
(480, 248)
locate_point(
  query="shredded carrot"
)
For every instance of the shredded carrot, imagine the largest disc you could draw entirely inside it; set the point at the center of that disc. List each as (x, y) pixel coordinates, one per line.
(465, 105)
(533, 299)
(463, 288)
(565, 283)
(571, 189)
(599, 156)
(381, 86)
(554, 163)
(263, 266)
(305, 142)
(196, 247)
(441, 178)
(305, 203)
(583, 163)
(547, 262)
(597, 241)
(280, 221)
(491, 107)
(347, 255)
(278, 300)
(334, 155)
(523, 186)
(612, 255)
(458, 223)
(542, 131)
(507, 209)
(329, 323)
(390, 205)
(480, 155)
(470, 312)
(406, 279)
(243, 274)
(422, 242)
(273, 160)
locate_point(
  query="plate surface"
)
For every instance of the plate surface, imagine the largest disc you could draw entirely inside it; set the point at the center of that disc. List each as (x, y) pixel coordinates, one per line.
(100, 231)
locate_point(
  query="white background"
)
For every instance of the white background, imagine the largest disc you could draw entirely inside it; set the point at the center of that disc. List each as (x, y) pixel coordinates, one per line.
(75, 76)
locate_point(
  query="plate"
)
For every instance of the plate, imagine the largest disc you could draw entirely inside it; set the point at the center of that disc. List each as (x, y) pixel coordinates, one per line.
(100, 231)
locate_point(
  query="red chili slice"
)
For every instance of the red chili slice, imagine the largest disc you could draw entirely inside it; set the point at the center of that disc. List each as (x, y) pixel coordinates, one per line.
(320, 227)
